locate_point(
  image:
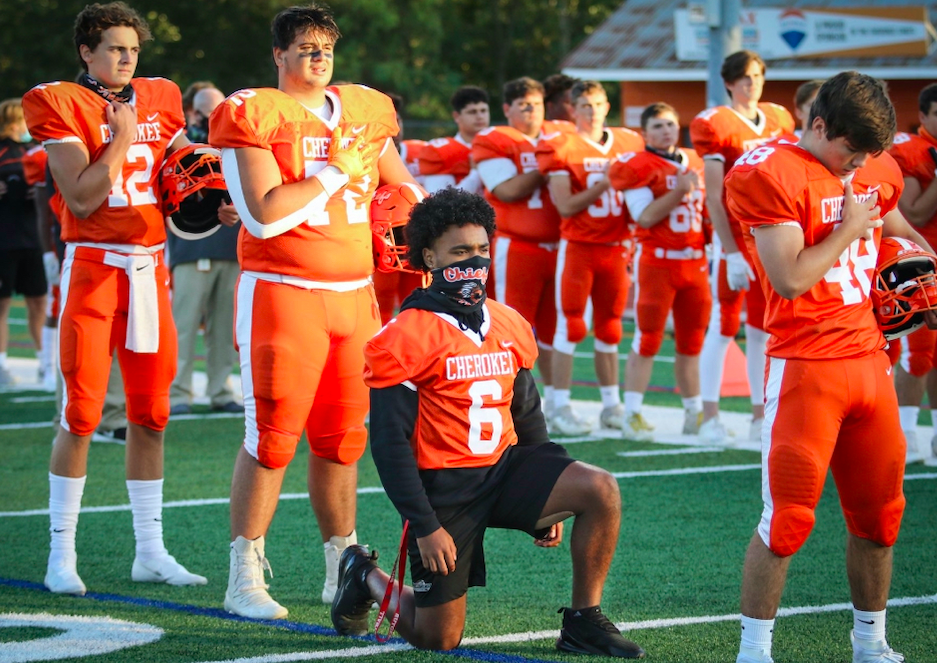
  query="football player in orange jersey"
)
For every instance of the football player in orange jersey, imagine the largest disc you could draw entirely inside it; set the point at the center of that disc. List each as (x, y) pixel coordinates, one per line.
(460, 444)
(447, 161)
(917, 157)
(595, 249)
(558, 107)
(106, 137)
(814, 214)
(302, 162)
(528, 223)
(664, 192)
(721, 135)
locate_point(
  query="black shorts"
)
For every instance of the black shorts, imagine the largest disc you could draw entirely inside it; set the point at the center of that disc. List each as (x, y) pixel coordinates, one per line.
(513, 498)
(21, 271)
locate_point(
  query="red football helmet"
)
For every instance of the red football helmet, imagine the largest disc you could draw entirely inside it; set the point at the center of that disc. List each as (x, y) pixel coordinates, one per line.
(390, 211)
(192, 188)
(904, 287)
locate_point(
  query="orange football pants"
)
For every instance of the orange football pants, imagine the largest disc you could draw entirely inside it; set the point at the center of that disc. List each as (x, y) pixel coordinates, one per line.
(302, 367)
(663, 285)
(95, 298)
(599, 271)
(840, 414)
(917, 351)
(526, 278)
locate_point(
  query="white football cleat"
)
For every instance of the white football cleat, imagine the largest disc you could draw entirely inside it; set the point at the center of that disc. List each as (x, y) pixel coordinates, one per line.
(750, 656)
(754, 430)
(692, 421)
(247, 592)
(913, 454)
(612, 417)
(164, 569)
(713, 432)
(566, 422)
(864, 651)
(637, 428)
(62, 578)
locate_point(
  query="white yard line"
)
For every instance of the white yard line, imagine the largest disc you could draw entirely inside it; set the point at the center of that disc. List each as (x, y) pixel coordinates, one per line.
(345, 654)
(670, 452)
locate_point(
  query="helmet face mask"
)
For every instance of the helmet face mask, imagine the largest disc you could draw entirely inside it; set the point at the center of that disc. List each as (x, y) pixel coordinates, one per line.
(904, 287)
(390, 211)
(192, 189)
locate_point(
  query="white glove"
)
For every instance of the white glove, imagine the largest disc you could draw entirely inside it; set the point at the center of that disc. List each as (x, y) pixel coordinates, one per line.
(739, 273)
(50, 262)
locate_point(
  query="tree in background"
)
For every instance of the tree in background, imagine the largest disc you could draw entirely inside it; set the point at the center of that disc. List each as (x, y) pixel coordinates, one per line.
(420, 49)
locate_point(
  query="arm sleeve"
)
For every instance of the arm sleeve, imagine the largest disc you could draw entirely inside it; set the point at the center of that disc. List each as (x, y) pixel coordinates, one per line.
(394, 412)
(525, 409)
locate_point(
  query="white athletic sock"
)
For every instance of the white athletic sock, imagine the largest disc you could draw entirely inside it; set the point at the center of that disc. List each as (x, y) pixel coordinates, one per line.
(908, 416)
(755, 342)
(869, 626)
(548, 398)
(3, 359)
(693, 403)
(560, 398)
(712, 363)
(47, 353)
(146, 503)
(610, 396)
(757, 634)
(64, 504)
(633, 401)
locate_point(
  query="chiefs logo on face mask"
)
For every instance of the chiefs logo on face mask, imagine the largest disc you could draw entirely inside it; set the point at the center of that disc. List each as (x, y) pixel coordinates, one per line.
(453, 274)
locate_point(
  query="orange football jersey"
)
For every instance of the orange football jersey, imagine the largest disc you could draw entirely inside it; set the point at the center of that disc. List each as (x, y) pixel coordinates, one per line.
(684, 227)
(465, 387)
(605, 221)
(913, 156)
(534, 219)
(330, 246)
(446, 156)
(64, 112)
(34, 165)
(785, 184)
(410, 154)
(558, 126)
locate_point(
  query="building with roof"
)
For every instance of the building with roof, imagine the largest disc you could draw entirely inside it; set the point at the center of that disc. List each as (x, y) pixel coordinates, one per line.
(638, 47)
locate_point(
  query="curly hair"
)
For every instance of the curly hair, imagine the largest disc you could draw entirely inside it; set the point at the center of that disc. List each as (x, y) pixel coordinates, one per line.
(431, 218)
(94, 19)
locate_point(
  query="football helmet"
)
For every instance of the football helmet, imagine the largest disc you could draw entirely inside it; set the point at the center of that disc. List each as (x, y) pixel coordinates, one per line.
(904, 287)
(192, 188)
(390, 211)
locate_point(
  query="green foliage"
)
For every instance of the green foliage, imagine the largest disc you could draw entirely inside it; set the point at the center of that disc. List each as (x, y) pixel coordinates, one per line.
(420, 49)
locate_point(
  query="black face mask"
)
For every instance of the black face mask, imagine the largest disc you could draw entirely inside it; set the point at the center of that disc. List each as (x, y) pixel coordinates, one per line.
(457, 289)
(92, 84)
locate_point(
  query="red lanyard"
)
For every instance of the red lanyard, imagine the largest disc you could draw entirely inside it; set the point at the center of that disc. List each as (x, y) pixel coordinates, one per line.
(399, 570)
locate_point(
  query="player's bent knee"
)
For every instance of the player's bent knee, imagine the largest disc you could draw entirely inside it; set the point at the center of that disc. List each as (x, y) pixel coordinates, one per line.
(81, 421)
(437, 641)
(880, 526)
(576, 329)
(790, 527)
(608, 331)
(650, 343)
(344, 448)
(275, 450)
(148, 412)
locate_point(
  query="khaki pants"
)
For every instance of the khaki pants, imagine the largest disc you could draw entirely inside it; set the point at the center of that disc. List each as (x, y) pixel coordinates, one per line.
(205, 295)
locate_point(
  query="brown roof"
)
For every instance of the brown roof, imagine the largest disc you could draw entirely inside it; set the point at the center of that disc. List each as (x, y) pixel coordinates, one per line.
(637, 43)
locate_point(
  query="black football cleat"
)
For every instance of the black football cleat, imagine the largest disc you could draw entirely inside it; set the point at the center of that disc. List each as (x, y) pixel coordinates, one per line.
(588, 631)
(353, 600)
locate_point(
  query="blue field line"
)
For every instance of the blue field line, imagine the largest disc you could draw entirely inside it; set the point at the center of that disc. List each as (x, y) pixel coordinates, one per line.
(299, 627)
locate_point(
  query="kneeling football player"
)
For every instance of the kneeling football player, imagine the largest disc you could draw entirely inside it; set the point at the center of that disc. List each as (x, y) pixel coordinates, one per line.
(461, 445)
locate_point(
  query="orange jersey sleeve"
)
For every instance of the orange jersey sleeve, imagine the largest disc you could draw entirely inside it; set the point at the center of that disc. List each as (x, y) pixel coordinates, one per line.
(786, 185)
(913, 154)
(533, 219)
(34, 166)
(331, 245)
(410, 154)
(605, 221)
(465, 387)
(683, 227)
(445, 156)
(69, 113)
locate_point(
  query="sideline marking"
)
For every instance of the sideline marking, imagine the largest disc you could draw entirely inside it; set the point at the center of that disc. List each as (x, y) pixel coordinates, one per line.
(670, 452)
(80, 636)
(175, 417)
(685, 470)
